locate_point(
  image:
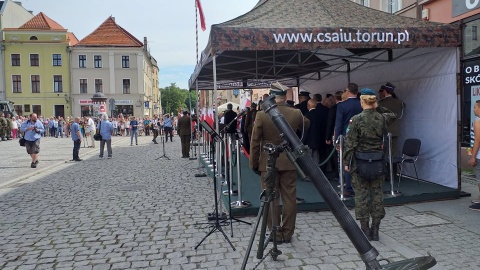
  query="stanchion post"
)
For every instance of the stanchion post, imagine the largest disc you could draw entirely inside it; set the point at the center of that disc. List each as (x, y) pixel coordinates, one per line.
(393, 193)
(340, 171)
(240, 203)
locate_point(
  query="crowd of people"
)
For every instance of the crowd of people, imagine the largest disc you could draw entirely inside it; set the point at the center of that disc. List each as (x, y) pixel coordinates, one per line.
(360, 117)
(84, 129)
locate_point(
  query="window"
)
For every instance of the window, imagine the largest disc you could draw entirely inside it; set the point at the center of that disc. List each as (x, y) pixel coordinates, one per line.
(83, 86)
(393, 5)
(471, 44)
(35, 83)
(27, 108)
(15, 60)
(364, 3)
(57, 60)
(34, 60)
(126, 86)
(33, 38)
(98, 85)
(82, 61)
(125, 61)
(18, 109)
(17, 83)
(97, 61)
(37, 109)
(57, 84)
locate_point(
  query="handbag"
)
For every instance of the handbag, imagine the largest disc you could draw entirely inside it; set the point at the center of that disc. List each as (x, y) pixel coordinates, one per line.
(22, 142)
(371, 164)
(97, 136)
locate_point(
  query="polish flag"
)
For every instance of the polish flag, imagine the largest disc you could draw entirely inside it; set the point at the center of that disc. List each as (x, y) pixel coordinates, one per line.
(202, 16)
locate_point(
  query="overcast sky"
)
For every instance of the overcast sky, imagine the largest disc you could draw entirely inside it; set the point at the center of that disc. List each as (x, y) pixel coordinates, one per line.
(169, 25)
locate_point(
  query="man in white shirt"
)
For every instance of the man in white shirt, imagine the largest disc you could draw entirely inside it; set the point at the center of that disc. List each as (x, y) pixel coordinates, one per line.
(90, 130)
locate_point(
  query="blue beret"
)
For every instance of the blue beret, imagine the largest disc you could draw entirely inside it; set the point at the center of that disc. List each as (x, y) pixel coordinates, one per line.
(367, 91)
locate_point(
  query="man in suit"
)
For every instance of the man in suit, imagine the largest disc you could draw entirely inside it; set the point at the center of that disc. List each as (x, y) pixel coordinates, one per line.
(185, 131)
(396, 106)
(315, 136)
(332, 113)
(264, 131)
(249, 120)
(229, 115)
(303, 98)
(345, 111)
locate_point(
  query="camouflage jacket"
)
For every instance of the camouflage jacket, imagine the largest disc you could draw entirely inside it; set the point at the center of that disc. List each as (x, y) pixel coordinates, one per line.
(365, 133)
(3, 122)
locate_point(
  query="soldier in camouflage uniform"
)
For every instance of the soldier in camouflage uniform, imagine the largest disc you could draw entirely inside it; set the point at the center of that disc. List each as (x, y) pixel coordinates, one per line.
(3, 127)
(364, 133)
(9, 127)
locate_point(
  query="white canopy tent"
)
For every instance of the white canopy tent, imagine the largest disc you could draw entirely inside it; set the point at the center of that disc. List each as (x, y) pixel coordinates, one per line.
(426, 81)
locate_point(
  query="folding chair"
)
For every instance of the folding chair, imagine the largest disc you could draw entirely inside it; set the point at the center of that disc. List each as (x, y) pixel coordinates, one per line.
(410, 152)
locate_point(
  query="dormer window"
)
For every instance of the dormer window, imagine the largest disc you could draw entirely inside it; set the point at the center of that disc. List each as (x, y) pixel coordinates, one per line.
(33, 38)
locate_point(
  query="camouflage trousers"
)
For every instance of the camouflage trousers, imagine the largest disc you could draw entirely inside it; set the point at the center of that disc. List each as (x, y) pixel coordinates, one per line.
(368, 197)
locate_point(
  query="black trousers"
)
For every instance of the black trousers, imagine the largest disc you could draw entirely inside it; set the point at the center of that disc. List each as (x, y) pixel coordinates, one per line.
(76, 149)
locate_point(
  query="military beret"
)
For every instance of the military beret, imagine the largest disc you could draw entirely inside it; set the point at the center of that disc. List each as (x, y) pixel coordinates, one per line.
(304, 94)
(278, 89)
(290, 103)
(367, 91)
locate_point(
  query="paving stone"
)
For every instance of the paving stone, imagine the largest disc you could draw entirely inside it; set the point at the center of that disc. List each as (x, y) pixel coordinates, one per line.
(134, 217)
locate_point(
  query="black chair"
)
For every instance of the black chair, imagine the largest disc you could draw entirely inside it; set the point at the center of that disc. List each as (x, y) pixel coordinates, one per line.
(410, 152)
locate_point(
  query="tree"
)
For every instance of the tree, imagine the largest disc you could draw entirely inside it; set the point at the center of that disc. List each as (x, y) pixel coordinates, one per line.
(173, 98)
(193, 95)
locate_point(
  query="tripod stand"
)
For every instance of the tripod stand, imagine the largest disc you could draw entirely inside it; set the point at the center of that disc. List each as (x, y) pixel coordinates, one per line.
(216, 226)
(163, 147)
(266, 205)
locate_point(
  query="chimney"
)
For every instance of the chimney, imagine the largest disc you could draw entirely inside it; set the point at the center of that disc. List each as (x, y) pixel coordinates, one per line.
(145, 43)
(113, 18)
(18, 3)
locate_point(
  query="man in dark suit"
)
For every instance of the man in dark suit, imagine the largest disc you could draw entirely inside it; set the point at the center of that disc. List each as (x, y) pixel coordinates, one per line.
(185, 131)
(315, 136)
(264, 131)
(303, 98)
(395, 105)
(229, 116)
(332, 113)
(345, 111)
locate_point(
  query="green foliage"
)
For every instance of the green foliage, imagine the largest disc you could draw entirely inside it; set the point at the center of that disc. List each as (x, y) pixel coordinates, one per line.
(173, 98)
(193, 95)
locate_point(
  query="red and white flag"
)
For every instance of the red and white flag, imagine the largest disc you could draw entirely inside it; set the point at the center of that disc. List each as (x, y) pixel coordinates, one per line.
(202, 17)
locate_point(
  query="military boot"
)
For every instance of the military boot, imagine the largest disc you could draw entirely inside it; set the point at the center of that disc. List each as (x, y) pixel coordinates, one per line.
(375, 228)
(365, 226)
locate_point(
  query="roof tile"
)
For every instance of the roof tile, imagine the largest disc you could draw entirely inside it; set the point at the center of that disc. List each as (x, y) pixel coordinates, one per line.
(109, 33)
(42, 21)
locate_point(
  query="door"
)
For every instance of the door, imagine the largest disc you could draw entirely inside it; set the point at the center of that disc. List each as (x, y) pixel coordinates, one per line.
(59, 111)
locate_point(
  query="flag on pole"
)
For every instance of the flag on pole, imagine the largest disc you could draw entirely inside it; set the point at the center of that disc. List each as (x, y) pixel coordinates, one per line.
(202, 17)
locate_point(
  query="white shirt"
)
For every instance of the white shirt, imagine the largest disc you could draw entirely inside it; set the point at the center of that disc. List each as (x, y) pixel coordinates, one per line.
(90, 125)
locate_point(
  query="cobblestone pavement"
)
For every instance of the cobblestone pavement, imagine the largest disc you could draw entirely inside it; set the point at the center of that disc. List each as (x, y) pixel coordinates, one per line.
(136, 212)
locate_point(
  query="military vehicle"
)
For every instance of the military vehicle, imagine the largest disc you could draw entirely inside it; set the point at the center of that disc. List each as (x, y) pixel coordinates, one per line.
(6, 106)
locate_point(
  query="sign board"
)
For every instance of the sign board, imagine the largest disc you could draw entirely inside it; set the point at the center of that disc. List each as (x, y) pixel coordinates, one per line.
(123, 102)
(85, 102)
(111, 104)
(471, 85)
(463, 6)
